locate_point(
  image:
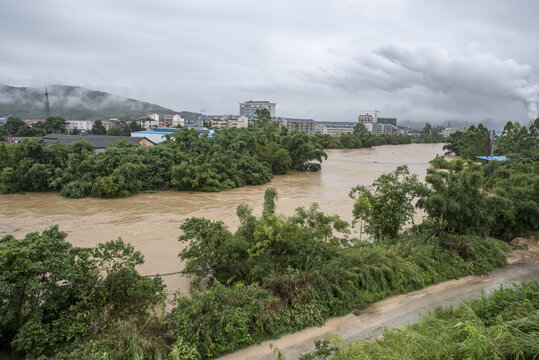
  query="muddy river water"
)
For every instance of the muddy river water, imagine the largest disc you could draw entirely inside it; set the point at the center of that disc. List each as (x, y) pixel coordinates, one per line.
(151, 221)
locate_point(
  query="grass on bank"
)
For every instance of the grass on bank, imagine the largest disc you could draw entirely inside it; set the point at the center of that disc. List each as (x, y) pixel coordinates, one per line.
(504, 325)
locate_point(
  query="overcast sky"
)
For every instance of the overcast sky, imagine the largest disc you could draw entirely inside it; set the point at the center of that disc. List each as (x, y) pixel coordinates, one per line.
(327, 60)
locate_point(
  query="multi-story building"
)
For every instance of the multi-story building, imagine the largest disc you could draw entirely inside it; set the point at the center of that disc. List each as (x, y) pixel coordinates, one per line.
(223, 121)
(304, 125)
(173, 120)
(334, 129)
(365, 119)
(249, 107)
(380, 129)
(81, 125)
(384, 120)
(448, 131)
(149, 121)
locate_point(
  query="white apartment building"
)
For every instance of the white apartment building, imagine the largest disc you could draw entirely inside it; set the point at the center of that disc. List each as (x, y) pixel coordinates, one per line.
(379, 129)
(448, 131)
(224, 121)
(149, 121)
(81, 125)
(334, 131)
(249, 107)
(173, 120)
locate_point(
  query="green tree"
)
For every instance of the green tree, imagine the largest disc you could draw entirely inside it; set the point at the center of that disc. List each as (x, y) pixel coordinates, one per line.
(53, 294)
(14, 126)
(517, 142)
(270, 196)
(276, 157)
(456, 196)
(98, 128)
(55, 125)
(263, 117)
(468, 144)
(427, 129)
(387, 205)
(210, 247)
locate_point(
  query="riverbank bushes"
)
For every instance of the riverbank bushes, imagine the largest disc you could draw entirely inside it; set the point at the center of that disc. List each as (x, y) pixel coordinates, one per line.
(500, 199)
(298, 271)
(502, 325)
(57, 298)
(224, 319)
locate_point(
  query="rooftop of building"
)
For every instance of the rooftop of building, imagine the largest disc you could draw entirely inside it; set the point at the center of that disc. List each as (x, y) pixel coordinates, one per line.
(493, 158)
(257, 102)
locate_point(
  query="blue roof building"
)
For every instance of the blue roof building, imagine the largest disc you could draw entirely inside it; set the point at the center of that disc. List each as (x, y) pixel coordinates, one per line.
(493, 158)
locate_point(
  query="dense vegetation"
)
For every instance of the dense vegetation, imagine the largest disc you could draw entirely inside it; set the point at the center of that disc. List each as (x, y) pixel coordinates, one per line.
(517, 142)
(503, 325)
(53, 295)
(231, 158)
(297, 271)
(500, 199)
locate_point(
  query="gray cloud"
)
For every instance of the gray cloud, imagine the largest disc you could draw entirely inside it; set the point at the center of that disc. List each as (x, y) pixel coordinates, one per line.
(325, 59)
(434, 72)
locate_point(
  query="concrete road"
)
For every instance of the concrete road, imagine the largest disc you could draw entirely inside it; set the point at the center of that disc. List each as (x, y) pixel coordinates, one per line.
(390, 313)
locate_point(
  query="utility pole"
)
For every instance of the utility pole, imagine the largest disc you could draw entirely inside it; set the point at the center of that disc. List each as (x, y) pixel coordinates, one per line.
(47, 104)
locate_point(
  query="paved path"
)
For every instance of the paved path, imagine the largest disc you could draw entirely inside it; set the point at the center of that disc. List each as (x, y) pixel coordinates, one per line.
(390, 313)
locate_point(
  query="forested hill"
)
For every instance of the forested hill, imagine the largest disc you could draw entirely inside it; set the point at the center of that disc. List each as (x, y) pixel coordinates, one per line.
(74, 102)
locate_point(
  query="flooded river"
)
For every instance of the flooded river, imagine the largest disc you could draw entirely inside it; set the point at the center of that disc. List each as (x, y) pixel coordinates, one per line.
(151, 221)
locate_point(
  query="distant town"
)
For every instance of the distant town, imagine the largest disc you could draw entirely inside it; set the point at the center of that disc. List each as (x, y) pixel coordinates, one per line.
(155, 127)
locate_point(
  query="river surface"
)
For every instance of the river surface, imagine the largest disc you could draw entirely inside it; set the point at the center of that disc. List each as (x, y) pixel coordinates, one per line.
(151, 221)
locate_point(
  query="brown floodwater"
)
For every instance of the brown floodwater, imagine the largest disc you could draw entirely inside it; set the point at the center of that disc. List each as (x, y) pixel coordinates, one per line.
(151, 221)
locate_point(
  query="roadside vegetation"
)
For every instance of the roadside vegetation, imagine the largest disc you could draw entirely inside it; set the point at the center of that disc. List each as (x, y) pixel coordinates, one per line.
(502, 325)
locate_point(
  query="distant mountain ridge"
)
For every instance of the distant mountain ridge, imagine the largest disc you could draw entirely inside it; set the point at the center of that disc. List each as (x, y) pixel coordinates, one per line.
(75, 103)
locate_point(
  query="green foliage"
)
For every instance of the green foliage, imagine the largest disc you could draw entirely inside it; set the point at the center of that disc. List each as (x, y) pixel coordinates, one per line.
(16, 127)
(468, 144)
(98, 128)
(231, 158)
(270, 196)
(53, 295)
(500, 326)
(276, 275)
(456, 196)
(499, 198)
(430, 135)
(387, 205)
(515, 190)
(517, 142)
(55, 125)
